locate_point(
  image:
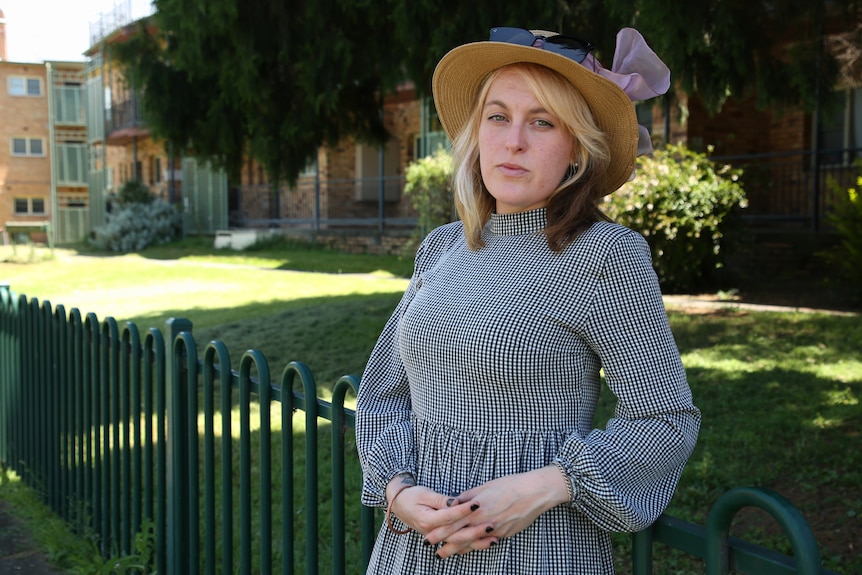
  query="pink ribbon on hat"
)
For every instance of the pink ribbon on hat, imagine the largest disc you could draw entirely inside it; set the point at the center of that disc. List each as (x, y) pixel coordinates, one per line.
(638, 71)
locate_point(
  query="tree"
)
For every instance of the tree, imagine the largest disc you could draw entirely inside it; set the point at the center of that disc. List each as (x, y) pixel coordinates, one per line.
(715, 48)
(269, 78)
(721, 48)
(276, 79)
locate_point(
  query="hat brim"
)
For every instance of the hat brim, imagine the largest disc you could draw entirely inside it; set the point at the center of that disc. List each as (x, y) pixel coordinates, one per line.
(460, 73)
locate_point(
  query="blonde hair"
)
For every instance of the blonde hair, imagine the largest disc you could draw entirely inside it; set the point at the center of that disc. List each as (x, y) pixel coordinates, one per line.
(574, 204)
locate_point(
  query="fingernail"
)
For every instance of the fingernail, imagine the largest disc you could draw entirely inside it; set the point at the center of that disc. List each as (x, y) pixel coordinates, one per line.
(449, 502)
(474, 507)
(437, 555)
(426, 542)
(493, 543)
(488, 529)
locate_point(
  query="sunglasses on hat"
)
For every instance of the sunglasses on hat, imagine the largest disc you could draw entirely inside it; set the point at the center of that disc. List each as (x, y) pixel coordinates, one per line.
(567, 46)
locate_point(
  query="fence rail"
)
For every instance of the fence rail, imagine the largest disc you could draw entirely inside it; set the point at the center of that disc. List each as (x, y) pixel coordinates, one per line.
(126, 433)
(798, 188)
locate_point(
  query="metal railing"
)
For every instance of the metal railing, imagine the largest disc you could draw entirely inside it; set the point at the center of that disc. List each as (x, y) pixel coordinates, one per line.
(315, 204)
(126, 433)
(796, 188)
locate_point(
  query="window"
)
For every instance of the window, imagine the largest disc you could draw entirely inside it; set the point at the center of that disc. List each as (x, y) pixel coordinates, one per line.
(71, 163)
(841, 129)
(643, 111)
(29, 206)
(157, 170)
(25, 86)
(28, 147)
(369, 180)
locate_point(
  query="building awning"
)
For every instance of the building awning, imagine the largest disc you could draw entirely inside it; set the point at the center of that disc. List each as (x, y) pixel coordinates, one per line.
(124, 136)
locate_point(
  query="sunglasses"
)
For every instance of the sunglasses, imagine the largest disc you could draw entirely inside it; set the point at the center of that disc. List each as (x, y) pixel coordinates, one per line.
(567, 46)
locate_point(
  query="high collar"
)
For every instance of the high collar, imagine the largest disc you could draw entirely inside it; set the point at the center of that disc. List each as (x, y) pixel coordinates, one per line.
(519, 223)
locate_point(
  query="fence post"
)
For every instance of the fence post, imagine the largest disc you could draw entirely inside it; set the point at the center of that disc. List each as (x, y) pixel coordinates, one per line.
(805, 549)
(8, 365)
(177, 451)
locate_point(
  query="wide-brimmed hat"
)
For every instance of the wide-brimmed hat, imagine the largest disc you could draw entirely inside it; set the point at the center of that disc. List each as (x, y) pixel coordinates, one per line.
(460, 73)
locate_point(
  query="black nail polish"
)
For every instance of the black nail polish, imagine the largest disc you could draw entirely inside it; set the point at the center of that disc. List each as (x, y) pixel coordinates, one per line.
(449, 502)
(437, 555)
(493, 543)
(474, 507)
(426, 542)
(488, 529)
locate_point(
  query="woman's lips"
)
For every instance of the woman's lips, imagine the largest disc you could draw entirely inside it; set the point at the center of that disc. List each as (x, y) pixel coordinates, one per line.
(512, 169)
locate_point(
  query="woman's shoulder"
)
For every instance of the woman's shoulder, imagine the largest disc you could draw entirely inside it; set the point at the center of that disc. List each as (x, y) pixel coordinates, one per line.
(437, 242)
(609, 234)
(446, 232)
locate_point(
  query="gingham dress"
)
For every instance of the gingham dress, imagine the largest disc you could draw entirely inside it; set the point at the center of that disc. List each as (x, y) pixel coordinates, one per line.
(490, 366)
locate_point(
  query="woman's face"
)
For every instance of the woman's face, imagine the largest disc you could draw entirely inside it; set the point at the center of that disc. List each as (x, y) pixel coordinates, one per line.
(524, 151)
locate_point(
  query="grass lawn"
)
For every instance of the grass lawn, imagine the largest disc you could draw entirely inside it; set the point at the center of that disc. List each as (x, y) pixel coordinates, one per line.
(779, 391)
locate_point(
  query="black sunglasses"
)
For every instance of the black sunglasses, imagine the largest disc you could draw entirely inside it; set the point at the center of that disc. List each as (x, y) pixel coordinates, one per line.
(567, 46)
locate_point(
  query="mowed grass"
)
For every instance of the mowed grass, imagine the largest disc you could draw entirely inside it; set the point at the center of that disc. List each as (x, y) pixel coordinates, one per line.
(779, 391)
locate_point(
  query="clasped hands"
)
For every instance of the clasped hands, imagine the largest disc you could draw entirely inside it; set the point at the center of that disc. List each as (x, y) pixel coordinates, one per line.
(478, 518)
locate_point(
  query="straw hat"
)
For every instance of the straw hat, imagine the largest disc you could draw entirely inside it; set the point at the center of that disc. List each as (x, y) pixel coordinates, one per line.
(460, 73)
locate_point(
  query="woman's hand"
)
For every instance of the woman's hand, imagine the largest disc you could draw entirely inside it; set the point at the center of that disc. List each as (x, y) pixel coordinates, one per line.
(425, 510)
(504, 507)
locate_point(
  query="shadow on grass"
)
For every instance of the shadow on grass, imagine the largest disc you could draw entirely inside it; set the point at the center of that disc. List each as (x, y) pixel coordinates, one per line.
(332, 335)
(284, 254)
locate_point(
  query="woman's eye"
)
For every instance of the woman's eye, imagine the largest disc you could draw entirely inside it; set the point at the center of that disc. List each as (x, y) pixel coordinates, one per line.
(497, 117)
(544, 124)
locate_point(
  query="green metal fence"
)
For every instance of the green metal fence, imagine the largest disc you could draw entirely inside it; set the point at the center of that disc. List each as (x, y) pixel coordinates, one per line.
(126, 433)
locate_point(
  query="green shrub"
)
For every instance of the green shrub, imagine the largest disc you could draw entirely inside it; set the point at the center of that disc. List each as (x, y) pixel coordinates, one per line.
(680, 201)
(137, 219)
(429, 189)
(134, 192)
(846, 218)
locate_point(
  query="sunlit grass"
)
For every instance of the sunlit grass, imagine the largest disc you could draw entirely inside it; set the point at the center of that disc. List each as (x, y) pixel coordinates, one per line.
(779, 391)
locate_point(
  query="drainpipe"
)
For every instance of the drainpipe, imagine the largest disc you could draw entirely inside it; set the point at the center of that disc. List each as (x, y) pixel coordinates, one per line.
(135, 157)
(107, 124)
(316, 225)
(52, 148)
(815, 224)
(667, 118)
(381, 188)
(172, 194)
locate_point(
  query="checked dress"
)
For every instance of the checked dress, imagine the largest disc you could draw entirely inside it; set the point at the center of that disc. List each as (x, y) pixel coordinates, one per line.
(490, 366)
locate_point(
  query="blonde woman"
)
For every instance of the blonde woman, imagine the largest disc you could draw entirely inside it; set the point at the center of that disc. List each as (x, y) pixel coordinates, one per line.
(475, 412)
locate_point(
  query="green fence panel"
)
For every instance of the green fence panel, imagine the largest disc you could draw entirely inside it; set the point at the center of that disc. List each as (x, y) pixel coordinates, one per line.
(121, 434)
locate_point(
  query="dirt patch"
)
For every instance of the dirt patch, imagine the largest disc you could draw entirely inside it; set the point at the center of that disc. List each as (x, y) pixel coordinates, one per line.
(18, 553)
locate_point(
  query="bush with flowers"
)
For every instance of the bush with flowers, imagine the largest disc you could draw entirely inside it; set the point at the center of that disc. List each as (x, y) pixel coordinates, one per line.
(846, 218)
(428, 185)
(682, 202)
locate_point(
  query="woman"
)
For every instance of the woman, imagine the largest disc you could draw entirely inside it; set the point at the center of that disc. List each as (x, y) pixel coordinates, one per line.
(474, 419)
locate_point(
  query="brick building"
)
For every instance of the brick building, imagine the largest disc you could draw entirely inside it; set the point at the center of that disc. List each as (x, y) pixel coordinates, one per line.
(353, 186)
(43, 152)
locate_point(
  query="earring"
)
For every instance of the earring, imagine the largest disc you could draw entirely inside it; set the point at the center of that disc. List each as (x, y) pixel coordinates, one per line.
(572, 171)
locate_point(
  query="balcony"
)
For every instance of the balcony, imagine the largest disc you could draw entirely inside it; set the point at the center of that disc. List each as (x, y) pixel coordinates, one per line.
(124, 122)
(69, 109)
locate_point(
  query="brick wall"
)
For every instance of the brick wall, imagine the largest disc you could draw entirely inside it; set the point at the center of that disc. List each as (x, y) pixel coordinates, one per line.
(23, 117)
(740, 128)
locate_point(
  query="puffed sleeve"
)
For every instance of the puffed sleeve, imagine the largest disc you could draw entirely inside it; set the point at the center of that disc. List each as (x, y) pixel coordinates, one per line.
(625, 475)
(384, 436)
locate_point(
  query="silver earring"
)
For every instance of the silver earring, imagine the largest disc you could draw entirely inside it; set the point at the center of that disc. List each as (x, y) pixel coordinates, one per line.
(572, 171)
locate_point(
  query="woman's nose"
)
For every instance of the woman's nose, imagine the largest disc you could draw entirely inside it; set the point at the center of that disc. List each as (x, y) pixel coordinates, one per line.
(515, 140)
